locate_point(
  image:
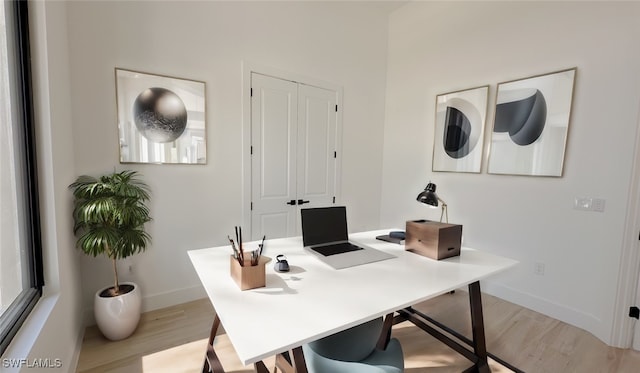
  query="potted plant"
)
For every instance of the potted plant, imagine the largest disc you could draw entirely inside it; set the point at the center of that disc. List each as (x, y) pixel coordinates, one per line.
(109, 215)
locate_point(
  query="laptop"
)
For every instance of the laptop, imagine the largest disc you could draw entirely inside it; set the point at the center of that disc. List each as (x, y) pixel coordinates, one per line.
(324, 234)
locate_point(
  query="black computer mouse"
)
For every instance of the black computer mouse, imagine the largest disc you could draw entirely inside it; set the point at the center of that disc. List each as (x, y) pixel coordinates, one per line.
(281, 264)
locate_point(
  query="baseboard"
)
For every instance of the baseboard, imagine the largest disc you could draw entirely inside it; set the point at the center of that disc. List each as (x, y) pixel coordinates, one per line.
(159, 300)
(172, 298)
(569, 315)
(75, 357)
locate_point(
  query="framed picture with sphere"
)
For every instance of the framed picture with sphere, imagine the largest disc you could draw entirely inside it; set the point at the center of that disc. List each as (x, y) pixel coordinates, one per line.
(531, 125)
(459, 130)
(161, 119)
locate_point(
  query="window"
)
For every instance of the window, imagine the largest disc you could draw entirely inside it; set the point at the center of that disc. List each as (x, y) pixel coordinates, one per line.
(21, 277)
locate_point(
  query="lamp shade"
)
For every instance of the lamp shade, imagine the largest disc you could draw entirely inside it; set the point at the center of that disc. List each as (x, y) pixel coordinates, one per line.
(428, 195)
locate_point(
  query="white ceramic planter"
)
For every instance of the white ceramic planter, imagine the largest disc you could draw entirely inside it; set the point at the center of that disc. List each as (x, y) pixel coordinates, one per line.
(117, 317)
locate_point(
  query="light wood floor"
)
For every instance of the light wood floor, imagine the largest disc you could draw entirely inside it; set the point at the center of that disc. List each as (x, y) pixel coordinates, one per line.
(173, 340)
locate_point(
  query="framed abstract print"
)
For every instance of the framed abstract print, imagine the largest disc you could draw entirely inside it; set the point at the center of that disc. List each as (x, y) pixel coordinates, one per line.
(531, 125)
(161, 119)
(459, 130)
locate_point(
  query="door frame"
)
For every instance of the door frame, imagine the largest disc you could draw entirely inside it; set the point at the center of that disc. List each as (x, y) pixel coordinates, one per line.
(247, 69)
(628, 291)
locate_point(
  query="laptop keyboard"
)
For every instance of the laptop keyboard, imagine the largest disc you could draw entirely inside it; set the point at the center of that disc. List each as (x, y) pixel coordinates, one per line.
(336, 248)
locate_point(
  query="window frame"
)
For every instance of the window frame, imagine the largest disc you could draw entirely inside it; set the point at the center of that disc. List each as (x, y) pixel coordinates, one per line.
(13, 318)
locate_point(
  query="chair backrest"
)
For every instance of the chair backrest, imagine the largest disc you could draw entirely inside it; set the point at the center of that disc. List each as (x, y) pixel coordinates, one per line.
(353, 344)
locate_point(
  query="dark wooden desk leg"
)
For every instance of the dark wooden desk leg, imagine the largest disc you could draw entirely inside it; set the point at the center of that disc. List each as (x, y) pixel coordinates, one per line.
(260, 367)
(299, 364)
(477, 325)
(385, 336)
(211, 361)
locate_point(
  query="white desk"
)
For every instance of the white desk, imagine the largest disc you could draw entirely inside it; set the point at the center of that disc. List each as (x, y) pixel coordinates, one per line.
(314, 300)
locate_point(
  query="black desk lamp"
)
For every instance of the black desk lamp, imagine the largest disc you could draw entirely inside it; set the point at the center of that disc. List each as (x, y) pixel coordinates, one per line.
(429, 238)
(428, 196)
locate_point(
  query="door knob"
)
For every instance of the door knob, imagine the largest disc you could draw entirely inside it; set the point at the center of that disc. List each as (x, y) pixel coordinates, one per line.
(292, 202)
(301, 202)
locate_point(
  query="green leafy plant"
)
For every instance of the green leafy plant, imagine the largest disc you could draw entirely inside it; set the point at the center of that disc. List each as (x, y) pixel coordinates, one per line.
(109, 215)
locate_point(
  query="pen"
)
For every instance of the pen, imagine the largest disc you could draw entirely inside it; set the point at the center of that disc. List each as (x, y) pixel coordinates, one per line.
(254, 258)
(235, 251)
(261, 245)
(240, 244)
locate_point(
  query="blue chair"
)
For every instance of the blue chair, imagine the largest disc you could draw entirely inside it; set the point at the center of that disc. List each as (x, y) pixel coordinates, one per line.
(354, 351)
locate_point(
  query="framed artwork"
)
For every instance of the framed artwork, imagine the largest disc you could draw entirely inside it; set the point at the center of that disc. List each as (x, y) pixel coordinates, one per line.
(531, 124)
(459, 130)
(161, 119)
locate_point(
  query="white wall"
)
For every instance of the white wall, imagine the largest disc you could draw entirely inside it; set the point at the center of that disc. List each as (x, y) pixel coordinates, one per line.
(54, 328)
(197, 206)
(438, 47)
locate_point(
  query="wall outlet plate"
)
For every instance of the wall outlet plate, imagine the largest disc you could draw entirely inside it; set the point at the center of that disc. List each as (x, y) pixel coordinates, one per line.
(589, 204)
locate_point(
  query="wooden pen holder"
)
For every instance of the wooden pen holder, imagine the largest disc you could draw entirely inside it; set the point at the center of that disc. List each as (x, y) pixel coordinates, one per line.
(248, 276)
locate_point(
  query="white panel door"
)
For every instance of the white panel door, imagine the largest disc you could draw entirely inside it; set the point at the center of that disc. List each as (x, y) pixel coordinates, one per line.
(274, 133)
(304, 156)
(316, 146)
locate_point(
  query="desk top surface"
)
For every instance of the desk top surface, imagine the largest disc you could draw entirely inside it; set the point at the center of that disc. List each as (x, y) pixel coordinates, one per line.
(314, 300)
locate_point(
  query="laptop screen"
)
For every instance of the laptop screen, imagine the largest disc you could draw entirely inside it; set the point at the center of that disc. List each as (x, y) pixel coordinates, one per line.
(323, 225)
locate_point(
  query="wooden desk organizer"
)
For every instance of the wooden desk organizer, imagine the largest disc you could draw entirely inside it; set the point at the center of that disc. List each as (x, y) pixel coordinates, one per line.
(432, 239)
(248, 276)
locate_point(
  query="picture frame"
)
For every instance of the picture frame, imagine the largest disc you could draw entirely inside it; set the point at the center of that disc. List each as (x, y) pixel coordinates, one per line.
(161, 119)
(459, 130)
(531, 125)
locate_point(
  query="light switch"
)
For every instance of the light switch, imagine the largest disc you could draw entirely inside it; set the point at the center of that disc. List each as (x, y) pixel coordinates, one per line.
(597, 204)
(582, 203)
(589, 204)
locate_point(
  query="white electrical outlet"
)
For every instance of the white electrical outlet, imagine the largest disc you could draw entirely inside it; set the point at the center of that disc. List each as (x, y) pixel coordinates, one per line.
(538, 269)
(582, 203)
(589, 204)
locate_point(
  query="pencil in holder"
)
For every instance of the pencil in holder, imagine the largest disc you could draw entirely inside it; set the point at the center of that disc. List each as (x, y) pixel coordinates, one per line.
(248, 276)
